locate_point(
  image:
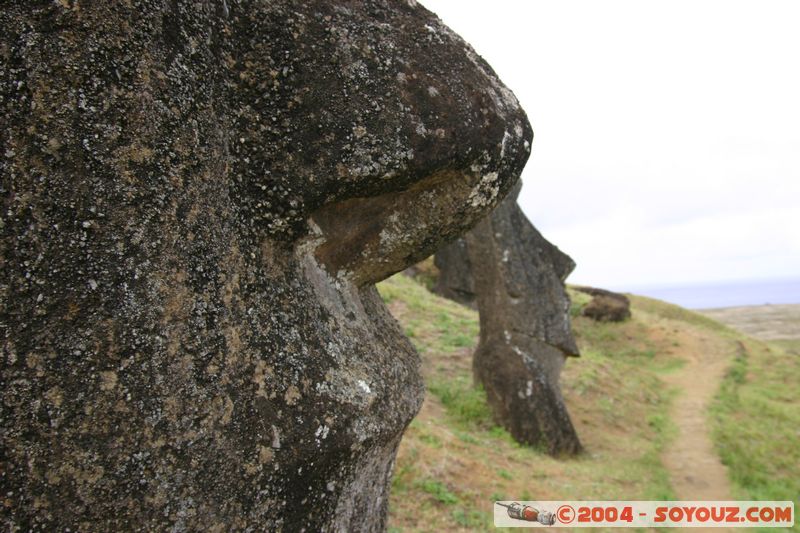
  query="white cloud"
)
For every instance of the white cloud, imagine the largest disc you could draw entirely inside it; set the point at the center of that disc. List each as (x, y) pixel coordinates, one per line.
(667, 135)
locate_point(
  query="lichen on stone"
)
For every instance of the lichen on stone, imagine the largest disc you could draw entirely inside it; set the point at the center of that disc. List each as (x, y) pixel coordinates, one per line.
(195, 195)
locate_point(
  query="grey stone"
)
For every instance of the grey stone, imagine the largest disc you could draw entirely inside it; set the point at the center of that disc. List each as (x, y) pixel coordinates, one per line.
(197, 200)
(517, 279)
(455, 273)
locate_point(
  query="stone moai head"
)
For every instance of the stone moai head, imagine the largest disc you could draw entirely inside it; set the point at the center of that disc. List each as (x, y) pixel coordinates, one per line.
(198, 199)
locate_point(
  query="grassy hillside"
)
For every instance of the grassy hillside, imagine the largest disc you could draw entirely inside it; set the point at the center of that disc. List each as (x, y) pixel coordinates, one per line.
(757, 422)
(454, 462)
(755, 417)
(766, 322)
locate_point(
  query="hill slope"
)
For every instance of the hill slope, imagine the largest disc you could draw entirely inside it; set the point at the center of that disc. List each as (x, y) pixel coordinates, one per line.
(767, 322)
(454, 462)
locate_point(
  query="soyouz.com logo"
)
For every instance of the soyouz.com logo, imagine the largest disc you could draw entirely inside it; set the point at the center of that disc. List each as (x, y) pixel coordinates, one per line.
(724, 514)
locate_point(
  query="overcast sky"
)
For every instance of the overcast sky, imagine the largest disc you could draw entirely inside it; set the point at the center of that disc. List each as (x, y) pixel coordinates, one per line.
(666, 134)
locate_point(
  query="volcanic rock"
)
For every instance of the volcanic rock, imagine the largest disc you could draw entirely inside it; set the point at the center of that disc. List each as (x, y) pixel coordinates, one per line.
(198, 197)
(517, 278)
(455, 274)
(606, 306)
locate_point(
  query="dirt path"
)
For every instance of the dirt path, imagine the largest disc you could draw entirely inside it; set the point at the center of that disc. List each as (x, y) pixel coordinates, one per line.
(696, 471)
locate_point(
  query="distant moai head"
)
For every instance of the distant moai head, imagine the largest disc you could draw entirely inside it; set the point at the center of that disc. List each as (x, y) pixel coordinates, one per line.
(198, 199)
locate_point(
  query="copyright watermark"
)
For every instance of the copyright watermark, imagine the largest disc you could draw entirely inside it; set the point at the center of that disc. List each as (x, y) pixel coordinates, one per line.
(723, 514)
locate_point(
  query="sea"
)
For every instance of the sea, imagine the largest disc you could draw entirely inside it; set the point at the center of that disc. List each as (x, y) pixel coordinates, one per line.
(725, 294)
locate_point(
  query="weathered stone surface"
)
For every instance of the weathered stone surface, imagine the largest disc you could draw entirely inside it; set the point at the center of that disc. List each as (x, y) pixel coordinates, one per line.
(197, 199)
(455, 273)
(606, 306)
(517, 277)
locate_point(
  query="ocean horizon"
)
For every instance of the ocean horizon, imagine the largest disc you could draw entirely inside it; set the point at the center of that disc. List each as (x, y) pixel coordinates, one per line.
(724, 294)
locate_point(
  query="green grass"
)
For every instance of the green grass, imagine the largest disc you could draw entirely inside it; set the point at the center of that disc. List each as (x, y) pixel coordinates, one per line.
(432, 323)
(578, 302)
(791, 346)
(438, 490)
(505, 474)
(465, 402)
(757, 423)
(472, 518)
